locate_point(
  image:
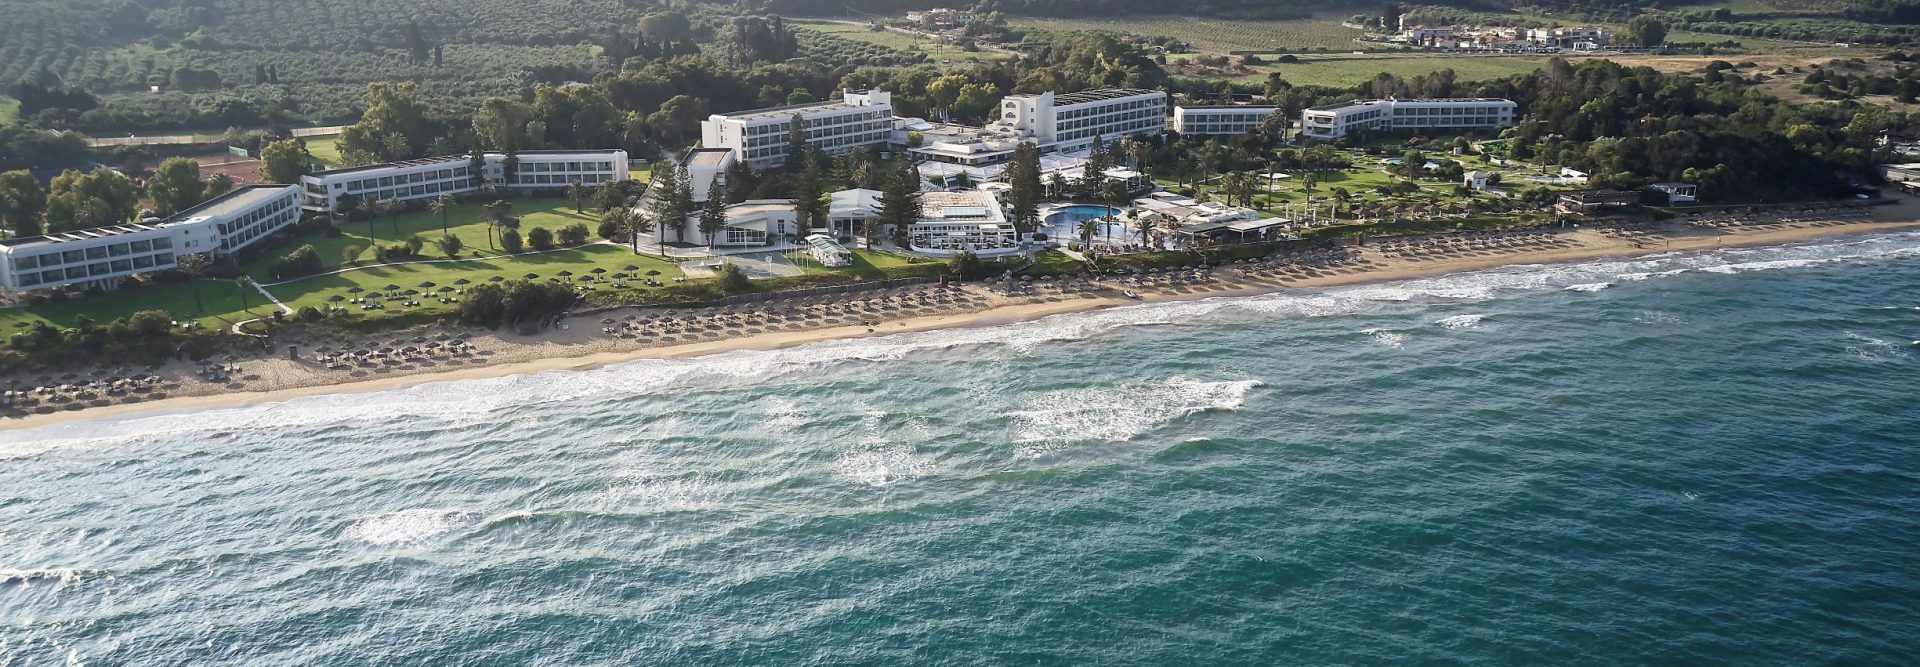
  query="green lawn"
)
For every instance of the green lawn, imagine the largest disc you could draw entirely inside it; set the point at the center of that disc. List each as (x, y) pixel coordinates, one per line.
(467, 221)
(323, 150)
(581, 261)
(9, 109)
(221, 298)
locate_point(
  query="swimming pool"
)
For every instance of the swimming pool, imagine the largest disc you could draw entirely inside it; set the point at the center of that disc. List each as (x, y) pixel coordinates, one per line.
(1077, 212)
(1064, 222)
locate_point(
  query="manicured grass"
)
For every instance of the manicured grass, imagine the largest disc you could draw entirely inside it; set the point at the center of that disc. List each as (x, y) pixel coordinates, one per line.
(221, 298)
(324, 151)
(580, 261)
(9, 109)
(467, 221)
(1217, 35)
(1052, 262)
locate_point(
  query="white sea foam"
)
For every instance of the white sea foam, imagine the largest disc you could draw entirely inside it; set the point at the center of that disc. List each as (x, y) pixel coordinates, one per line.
(1588, 287)
(31, 578)
(884, 456)
(468, 401)
(406, 526)
(1388, 338)
(1876, 350)
(1460, 321)
(1060, 418)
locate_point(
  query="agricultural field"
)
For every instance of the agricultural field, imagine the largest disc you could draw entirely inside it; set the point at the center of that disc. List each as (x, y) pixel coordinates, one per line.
(1353, 71)
(935, 51)
(1217, 35)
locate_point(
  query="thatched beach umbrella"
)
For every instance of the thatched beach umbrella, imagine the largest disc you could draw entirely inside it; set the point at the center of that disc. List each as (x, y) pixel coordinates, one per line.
(597, 270)
(631, 267)
(495, 279)
(426, 284)
(564, 273)
(356, 289)
(653, 272)
(462, 281)
(336, 299)
(531, 276)
(391, 287)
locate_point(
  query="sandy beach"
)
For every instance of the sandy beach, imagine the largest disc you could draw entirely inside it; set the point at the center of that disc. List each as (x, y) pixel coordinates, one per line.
(585, 342)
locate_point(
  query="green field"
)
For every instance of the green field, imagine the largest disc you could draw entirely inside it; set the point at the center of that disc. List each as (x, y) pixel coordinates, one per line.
(938, 51)
(221, 298)
(1217, 35)
(1346, 72)
(9, 109)
(324, 151)
(467, 221)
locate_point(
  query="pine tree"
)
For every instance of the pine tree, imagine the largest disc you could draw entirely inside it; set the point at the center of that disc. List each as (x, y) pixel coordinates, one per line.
(683, 205)
(713, 212)
(806, 195)
(662, 208)
(1024, 176)
(900, 196)
(796, 141)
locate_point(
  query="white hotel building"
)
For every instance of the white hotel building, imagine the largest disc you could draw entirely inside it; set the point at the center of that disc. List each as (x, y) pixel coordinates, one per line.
(104, 256)
(1071, 121)
(1334, 121)
(1220, 120)
(759, 136)
(431, 177)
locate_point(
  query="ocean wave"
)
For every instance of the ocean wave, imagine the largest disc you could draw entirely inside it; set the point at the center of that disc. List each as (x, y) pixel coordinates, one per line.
(1390, 339)
(31, 578)
(1117, 414)
(1588, 287)
(406, 527)
(1460, 321)
(466, 401)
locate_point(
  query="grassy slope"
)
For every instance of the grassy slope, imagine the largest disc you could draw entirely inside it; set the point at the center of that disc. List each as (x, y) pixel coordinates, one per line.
(324, 151)
(1217, 35)
(9, 109)
(895, 40)
(467, 221)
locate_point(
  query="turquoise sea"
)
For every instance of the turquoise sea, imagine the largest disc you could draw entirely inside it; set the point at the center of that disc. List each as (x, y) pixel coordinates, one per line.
(1689, 459)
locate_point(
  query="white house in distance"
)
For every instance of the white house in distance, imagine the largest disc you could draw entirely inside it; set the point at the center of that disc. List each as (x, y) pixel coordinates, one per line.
(759, 136)
(1334, 121)
(426, 178)
(827, 251)
(1475, 180)
(754, 222)
(1224, 119)
(104, 256)
(849, 210)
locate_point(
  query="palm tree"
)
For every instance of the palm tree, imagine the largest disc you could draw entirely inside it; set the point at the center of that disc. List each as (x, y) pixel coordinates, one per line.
(577, 193)
(193, 266)
(393, 215)
(1086, 230)
(496, 215)
(1145, 227)
(244, 283)
(440, 206)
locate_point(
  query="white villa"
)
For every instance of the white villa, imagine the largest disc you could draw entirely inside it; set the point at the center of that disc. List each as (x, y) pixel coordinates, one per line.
(827, 251)
(426, 178)
(104, 256)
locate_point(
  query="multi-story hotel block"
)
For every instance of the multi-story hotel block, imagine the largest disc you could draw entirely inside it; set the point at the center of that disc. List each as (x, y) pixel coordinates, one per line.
(104, 256)
(426, 178)
(760, 136)
(1334, 121)
(1231, 120)
(1072, 121)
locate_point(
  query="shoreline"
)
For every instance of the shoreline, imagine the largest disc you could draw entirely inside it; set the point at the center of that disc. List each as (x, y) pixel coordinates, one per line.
(1228, 284)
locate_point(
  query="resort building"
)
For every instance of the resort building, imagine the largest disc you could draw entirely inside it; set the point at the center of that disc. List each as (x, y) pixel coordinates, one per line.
(759, 136)
(427, 178)
(754, 222)
(955, 221)
(1679, 193)
(1072, 121)
(1229, 119)
(104, 256)
(849, 210)
(704, 166)
(1588, 201)
(827, 251)
(1334, 121)
(1578, 39)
